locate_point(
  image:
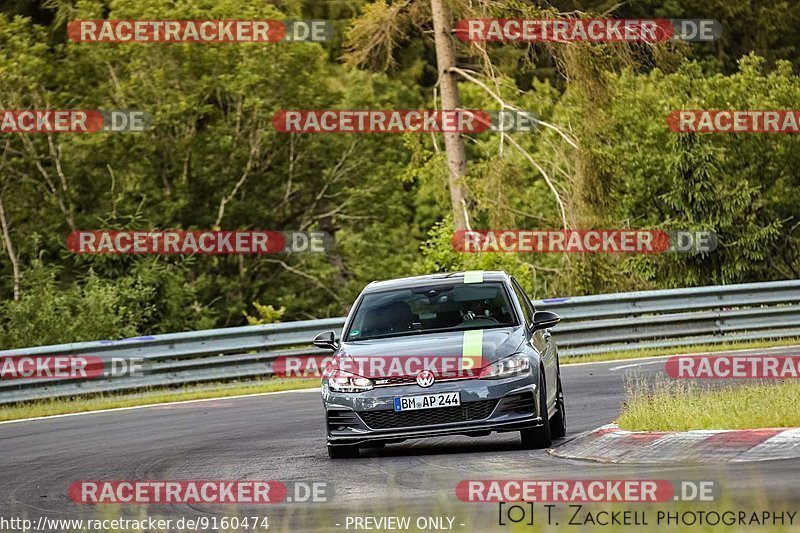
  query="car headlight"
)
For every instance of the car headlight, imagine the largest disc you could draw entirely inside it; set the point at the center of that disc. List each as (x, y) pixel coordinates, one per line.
(341, 381)
(510, 366)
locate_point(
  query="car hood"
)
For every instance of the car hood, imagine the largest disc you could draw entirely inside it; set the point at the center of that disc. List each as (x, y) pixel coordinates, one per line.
(497, 343)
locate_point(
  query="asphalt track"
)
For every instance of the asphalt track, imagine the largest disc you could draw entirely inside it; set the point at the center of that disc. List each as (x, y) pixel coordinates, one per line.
(281, 437)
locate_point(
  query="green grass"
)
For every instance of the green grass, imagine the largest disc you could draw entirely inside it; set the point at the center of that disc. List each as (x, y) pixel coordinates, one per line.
(696, 348)
(674, 405)
(58, 406)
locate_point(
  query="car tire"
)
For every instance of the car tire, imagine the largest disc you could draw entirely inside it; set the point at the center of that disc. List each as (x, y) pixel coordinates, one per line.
(558, 424)
(347, 451)
(539, 437)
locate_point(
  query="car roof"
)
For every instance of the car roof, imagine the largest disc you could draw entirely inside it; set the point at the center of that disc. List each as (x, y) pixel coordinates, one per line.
(445, 278)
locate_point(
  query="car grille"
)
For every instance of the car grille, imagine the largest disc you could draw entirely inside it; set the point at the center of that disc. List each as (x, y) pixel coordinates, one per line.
(389, 382)
(411, 380)
(429, 417)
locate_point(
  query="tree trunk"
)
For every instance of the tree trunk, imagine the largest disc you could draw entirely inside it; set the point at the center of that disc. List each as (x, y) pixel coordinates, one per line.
(453, 143)
(9, 246)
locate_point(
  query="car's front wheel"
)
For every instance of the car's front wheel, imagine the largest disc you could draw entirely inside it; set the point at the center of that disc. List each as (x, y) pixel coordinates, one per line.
(347, 451)
(539, 437)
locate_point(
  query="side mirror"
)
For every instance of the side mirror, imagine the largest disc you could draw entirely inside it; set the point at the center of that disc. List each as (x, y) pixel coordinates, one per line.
(545, 320)
(326, 340)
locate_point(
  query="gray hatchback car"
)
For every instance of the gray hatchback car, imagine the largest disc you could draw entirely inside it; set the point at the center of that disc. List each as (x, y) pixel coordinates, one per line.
(463, 353)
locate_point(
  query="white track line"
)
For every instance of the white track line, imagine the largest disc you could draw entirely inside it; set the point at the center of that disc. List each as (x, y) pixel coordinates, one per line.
(719, 352)
(177, 402)
(622, 367)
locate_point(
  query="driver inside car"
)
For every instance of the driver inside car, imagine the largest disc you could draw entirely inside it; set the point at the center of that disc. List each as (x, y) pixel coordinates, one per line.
(474, 309)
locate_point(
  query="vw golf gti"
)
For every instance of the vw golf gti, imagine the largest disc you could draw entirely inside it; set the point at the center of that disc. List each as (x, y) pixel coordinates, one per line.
(461, 353)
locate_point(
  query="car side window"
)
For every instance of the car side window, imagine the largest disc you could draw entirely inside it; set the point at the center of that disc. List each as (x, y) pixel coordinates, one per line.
(523, 302)
(528, 300)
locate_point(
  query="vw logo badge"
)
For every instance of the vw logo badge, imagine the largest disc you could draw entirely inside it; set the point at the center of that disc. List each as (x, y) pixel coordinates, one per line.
(425, 379)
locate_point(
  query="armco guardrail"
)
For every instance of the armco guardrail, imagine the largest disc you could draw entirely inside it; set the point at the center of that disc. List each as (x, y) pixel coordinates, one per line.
(592, 324)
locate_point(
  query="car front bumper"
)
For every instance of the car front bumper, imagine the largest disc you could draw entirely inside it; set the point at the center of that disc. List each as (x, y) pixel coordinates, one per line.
(487, 405)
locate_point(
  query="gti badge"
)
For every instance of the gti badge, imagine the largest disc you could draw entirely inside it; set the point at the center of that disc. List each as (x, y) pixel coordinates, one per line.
(425, 379)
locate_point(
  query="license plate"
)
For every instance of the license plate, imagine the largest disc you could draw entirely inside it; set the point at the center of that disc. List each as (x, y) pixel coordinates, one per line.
(426, 401)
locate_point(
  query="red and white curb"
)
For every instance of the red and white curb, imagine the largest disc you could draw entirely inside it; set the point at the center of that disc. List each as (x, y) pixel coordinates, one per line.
(610, 444)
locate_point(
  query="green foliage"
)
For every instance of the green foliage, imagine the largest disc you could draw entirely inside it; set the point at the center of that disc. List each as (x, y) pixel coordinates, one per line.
(267, 314)
(148, 299)
(213, 159)
(438, 255)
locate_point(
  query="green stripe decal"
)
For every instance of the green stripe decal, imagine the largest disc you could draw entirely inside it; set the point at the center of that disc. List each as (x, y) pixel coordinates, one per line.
(472, 352)
(473, 276)
(473, 343)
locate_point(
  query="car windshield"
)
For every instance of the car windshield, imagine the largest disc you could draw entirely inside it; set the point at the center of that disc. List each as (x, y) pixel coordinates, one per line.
(430, 309)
